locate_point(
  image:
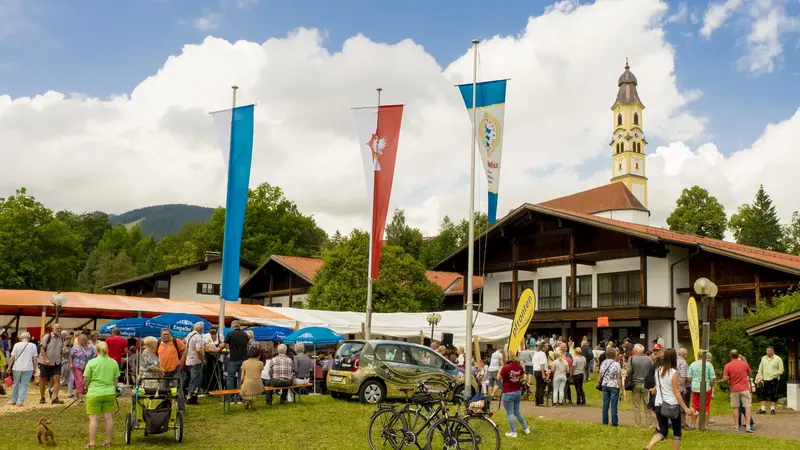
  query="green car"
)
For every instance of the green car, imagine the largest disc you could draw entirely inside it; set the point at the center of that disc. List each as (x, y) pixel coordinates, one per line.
(374, 370)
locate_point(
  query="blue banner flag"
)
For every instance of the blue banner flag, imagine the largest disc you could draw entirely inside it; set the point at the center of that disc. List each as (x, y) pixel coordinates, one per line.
(491, 101)
(235, 131)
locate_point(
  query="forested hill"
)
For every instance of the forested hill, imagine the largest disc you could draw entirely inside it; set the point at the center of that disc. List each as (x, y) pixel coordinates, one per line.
(162, 220)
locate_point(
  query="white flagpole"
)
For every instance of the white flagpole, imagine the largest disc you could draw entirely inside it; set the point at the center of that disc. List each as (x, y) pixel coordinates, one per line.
(471, 222)
(222, 300)
(368, 321)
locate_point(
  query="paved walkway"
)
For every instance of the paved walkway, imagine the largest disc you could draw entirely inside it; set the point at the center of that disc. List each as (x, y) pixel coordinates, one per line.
(782, 425)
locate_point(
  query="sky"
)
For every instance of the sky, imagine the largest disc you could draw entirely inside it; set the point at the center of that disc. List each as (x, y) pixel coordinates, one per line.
(104, 105)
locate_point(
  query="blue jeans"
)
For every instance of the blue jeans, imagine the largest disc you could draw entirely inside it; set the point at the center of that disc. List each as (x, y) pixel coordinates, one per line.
(276, 383)
(610, 397)
(21, 380)
(511, 404)
(234, 368)
(195, 378)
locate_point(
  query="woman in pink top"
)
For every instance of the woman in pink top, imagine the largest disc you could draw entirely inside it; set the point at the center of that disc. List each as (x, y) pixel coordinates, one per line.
(512, 374)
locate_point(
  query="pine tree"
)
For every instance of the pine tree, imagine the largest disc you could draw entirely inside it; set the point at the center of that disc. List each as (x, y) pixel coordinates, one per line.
(757, 225)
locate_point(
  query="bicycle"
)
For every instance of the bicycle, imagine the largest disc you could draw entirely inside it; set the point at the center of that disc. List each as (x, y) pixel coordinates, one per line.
(404, 427)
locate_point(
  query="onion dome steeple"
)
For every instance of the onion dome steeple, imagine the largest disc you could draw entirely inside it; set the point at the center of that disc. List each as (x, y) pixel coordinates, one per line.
(627, 86)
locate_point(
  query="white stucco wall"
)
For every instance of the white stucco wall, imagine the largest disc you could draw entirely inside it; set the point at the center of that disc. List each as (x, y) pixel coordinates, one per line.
(626, 215)
(657, 280)
(680, 279)
(183, 286)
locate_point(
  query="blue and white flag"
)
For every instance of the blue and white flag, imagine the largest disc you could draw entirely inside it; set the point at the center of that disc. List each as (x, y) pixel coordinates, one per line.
(235, 132)
(491, 101)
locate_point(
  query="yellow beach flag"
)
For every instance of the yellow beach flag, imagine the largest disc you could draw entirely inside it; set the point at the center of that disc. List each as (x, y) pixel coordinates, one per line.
(694, 325)
(525, 308)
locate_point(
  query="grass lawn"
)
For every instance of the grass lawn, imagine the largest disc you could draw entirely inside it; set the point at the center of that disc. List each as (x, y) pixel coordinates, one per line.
(324, 423)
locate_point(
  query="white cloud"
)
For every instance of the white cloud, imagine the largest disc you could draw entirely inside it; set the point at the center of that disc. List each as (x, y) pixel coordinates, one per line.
(157, 144)
(208, 21)
(716, 16)
(768, 21)
(680, 15)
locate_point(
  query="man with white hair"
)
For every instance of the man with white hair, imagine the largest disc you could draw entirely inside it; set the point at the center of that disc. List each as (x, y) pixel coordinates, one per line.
(684, 387)
(194, 361)
(281, 374)
(639, 366)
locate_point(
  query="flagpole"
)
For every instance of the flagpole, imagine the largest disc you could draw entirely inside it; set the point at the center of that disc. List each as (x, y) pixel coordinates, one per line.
(222, 300)
(368, 322)
(471, 222)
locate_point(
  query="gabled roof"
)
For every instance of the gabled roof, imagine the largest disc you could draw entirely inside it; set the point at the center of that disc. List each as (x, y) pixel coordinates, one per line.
(250, 265)
(611, 197)
(477, 283)
(307, 269)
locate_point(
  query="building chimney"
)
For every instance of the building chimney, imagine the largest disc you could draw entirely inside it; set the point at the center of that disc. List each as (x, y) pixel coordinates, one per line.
(213, 255)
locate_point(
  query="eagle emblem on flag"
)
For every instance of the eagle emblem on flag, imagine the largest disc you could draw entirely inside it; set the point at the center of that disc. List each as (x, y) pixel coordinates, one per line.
(376, 145)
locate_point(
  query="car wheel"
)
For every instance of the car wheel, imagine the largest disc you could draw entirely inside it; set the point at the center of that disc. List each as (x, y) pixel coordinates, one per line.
(340, 395)
(372, 392)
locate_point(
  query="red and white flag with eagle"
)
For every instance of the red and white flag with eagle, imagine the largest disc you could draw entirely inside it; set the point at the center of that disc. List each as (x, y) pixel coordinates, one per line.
(378, 135)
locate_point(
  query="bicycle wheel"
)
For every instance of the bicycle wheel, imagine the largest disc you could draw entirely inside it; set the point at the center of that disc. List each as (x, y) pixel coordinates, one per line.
(487, 435)
(451, 433)
(386, 430)
(416, 418)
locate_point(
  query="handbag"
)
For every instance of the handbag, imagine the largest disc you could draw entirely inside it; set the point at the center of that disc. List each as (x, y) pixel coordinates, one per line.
(667, 410)
(599, 385)
(9, 380)
(629, 383)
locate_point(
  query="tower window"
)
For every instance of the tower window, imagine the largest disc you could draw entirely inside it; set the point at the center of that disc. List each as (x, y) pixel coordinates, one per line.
(619, 120)
(635, 118)
(617, 147)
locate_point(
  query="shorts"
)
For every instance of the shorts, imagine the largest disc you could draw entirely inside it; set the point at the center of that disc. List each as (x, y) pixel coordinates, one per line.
(770, 390)
(528, 370)
(696, 401)
(101, 404)
(493, 381)
(47, 372)
(740, 399)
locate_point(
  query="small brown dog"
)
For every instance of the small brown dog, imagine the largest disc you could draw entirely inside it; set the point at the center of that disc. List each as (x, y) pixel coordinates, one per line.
(45, 434)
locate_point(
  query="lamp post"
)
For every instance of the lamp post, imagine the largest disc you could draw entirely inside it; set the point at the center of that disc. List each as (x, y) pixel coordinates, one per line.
(58, 300)
(707, 290)
(433, 319)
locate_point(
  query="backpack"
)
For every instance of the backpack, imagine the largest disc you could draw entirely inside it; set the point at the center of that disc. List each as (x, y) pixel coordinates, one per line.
(175, 343)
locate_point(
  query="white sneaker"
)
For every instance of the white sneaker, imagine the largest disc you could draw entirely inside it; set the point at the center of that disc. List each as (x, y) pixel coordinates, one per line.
(511, 435)
(527, 431)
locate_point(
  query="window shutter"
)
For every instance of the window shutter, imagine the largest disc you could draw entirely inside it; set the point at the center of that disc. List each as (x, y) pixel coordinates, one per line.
(199, 288)
(216, 289)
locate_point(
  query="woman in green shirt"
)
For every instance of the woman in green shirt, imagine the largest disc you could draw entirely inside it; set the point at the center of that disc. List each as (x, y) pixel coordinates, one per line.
(101, 375)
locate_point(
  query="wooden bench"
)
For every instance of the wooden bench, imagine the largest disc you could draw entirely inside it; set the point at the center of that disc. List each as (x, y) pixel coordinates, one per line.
(228, 394)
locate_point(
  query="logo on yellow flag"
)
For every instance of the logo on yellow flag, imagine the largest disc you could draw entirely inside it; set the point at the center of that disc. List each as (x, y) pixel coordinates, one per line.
(694, 325)
(525, 308)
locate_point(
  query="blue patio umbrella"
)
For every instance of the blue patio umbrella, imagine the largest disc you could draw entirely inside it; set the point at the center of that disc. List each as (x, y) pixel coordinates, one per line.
(179, 324)
(133, 327)
(270, 333)
(315, 336)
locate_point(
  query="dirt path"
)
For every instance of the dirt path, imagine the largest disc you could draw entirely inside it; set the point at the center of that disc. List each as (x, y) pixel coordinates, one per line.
(782, 425)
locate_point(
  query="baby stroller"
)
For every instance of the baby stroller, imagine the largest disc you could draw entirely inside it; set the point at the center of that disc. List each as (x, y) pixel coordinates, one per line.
(527, 392)
(156, 407)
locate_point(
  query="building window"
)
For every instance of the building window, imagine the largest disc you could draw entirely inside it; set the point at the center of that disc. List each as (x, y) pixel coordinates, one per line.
(162, 287)
(635, 118)
(618, 289)
(505, 296)
(619, 120)
(583, 286)
(550, 293)
(208, 288)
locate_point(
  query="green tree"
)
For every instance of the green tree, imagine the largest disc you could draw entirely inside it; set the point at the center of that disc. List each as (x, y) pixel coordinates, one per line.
(481, 224)
(757, 224)
(791, 235)
(441, 246)
(402, 285)
(401, 235)
(698, 213)
(37, 250)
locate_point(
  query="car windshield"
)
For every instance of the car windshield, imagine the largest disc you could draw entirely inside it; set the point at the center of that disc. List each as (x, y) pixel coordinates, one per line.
(349, 349)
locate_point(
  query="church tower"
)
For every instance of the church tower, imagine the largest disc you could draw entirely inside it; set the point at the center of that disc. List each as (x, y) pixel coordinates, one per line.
(628, 142)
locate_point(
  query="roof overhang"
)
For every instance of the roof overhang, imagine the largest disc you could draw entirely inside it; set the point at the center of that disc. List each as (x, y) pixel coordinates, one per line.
(763, 327)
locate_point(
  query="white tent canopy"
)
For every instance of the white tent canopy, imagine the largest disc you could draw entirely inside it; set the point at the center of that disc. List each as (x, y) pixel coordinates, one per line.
(488, 328)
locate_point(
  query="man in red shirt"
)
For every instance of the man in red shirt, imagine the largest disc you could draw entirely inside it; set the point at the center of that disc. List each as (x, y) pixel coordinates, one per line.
(737, 373)
(116, 346)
